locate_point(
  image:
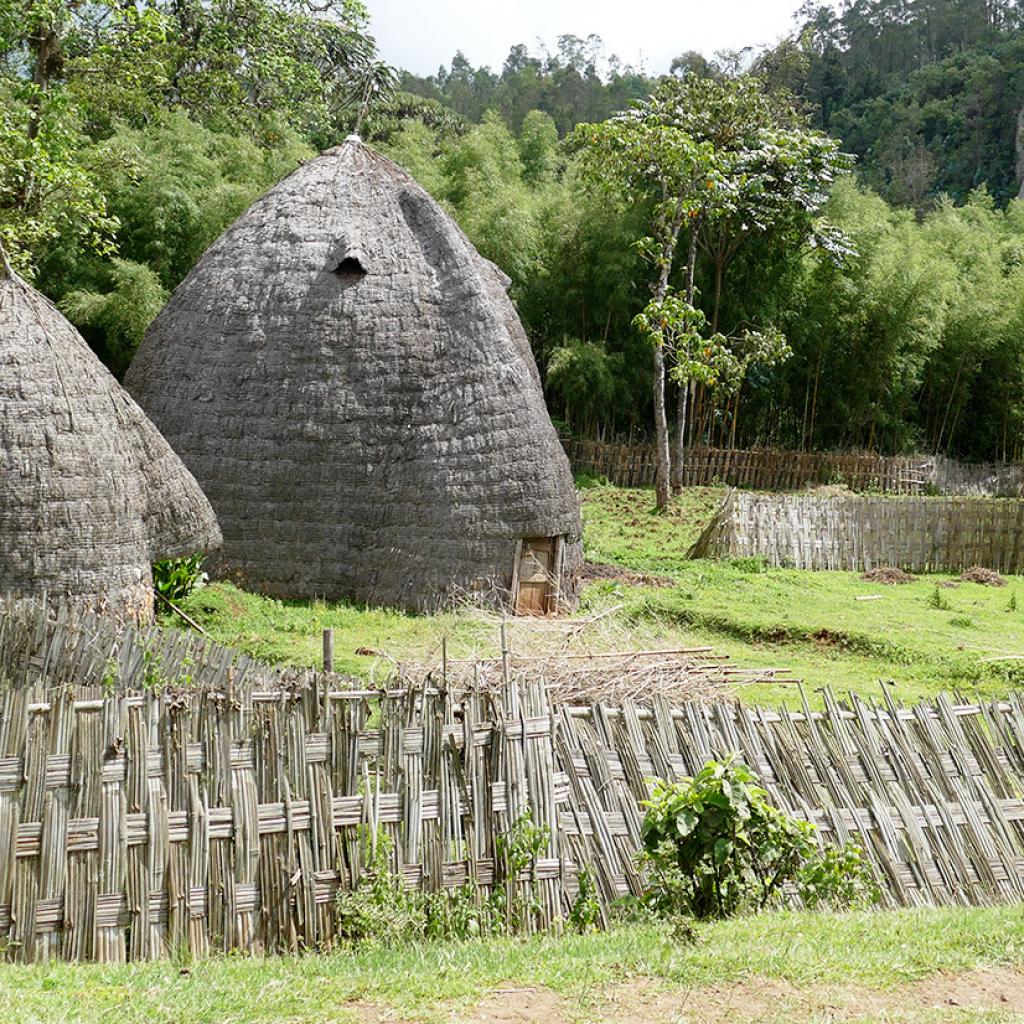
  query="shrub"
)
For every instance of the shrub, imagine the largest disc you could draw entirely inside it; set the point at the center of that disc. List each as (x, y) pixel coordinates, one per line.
(756, 565)
(585, 913)
(381, 908)
(715, 846)
(176, 578)
(837, 878)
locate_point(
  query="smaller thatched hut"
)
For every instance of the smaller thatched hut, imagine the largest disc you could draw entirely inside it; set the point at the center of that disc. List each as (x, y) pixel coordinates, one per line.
(90, 492)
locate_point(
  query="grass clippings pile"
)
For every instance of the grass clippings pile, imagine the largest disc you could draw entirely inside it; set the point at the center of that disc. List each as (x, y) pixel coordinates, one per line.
(986, 577)
(889, 575)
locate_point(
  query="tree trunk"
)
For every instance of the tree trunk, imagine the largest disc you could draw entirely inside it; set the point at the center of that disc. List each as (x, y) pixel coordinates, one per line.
(682, 402)
(682, 410)
(735, 417)
(662, 458)
(719, 273)
(1020, 151)
(662, 454)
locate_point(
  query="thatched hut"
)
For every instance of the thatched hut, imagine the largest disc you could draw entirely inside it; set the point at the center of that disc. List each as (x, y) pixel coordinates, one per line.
(348, 380)
(90, 493)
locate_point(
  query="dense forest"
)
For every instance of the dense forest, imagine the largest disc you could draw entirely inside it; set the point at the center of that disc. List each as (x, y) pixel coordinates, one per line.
(874, 299)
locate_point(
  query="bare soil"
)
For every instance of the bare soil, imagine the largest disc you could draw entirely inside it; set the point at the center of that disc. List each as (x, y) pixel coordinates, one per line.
(763, 1000)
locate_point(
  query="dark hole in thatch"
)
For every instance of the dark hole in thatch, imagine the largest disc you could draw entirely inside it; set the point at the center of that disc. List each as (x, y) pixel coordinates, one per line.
(350, 269)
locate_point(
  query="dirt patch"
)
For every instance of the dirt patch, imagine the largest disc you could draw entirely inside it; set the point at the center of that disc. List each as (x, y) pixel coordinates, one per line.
(995, 989)
(599, 571)
(888, 575)
(831, 638)
(515, 1005)
(648, 1001)
(986, 577)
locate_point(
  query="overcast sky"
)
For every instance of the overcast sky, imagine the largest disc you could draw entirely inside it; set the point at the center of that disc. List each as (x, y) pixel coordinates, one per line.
(419, 35)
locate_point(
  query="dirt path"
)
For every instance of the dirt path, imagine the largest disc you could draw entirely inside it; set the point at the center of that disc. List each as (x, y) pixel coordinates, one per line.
(999, 992)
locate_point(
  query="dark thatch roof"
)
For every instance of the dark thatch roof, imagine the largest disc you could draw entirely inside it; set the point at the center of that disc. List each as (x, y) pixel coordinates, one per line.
(90, 493)
(348, 380)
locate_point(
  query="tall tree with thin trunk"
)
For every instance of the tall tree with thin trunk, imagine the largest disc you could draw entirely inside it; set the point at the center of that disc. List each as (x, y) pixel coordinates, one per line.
(644, 155)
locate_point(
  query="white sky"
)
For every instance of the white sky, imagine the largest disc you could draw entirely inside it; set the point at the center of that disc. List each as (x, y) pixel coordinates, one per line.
(419, 35)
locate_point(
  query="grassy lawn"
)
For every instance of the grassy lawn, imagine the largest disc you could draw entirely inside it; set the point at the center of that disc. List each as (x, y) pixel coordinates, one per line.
(765, 968)
(828, 628)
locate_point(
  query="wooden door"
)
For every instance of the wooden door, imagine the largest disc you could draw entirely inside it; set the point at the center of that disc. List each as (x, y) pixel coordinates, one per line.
(538, 576)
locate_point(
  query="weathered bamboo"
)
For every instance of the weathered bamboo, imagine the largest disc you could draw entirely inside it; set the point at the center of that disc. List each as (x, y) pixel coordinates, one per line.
(150, 803)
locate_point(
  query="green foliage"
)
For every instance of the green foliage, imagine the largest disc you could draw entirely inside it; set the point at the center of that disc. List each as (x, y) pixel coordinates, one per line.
(517, 849)
(582, 374)
(837, 878)
(176, 578)
(937, 600)
(119, 316)
(139, 131)
(721, 845)
(585, 913)
(926, 95)
(716, 846)
(382, 909)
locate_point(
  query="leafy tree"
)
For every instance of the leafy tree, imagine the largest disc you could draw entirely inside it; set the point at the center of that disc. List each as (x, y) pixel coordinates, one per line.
(650, 160)
(122, 314)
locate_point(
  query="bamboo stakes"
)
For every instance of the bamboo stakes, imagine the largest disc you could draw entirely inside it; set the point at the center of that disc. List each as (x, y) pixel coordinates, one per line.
(140, 817)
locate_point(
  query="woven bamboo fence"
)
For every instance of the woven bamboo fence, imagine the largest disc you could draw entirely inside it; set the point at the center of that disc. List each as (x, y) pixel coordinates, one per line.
(931, 793)
(862, 532)
(159, 793)
(775, 470)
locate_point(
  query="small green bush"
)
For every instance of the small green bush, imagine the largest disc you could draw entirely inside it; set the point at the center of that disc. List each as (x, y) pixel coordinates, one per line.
(755, 566)
(176, 578)
(382, 909)
(716, 846)
(585, 913)
(837, 878)
(936, 599)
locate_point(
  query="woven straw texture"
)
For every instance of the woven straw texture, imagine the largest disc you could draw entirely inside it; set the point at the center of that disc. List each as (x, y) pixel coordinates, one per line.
(378, 435)
(90, 493)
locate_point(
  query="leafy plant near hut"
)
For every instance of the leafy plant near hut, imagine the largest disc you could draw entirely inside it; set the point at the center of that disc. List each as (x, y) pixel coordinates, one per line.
(716, 846)
(176, 578)
(585, 913)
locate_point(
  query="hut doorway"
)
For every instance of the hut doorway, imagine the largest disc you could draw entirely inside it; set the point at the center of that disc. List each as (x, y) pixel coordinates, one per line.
(537, 576)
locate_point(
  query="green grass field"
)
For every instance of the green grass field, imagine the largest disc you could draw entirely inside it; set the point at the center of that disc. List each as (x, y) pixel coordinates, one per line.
(828, 628)
(913, 966)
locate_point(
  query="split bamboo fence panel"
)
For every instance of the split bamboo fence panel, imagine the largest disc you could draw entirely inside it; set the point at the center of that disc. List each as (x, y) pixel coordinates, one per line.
(160, 793)
(770, 469)
(863, 532)
(931, 793)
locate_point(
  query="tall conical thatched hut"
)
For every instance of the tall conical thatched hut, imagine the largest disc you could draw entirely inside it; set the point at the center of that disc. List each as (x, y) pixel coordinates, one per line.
(90, 493)
(349, 382)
